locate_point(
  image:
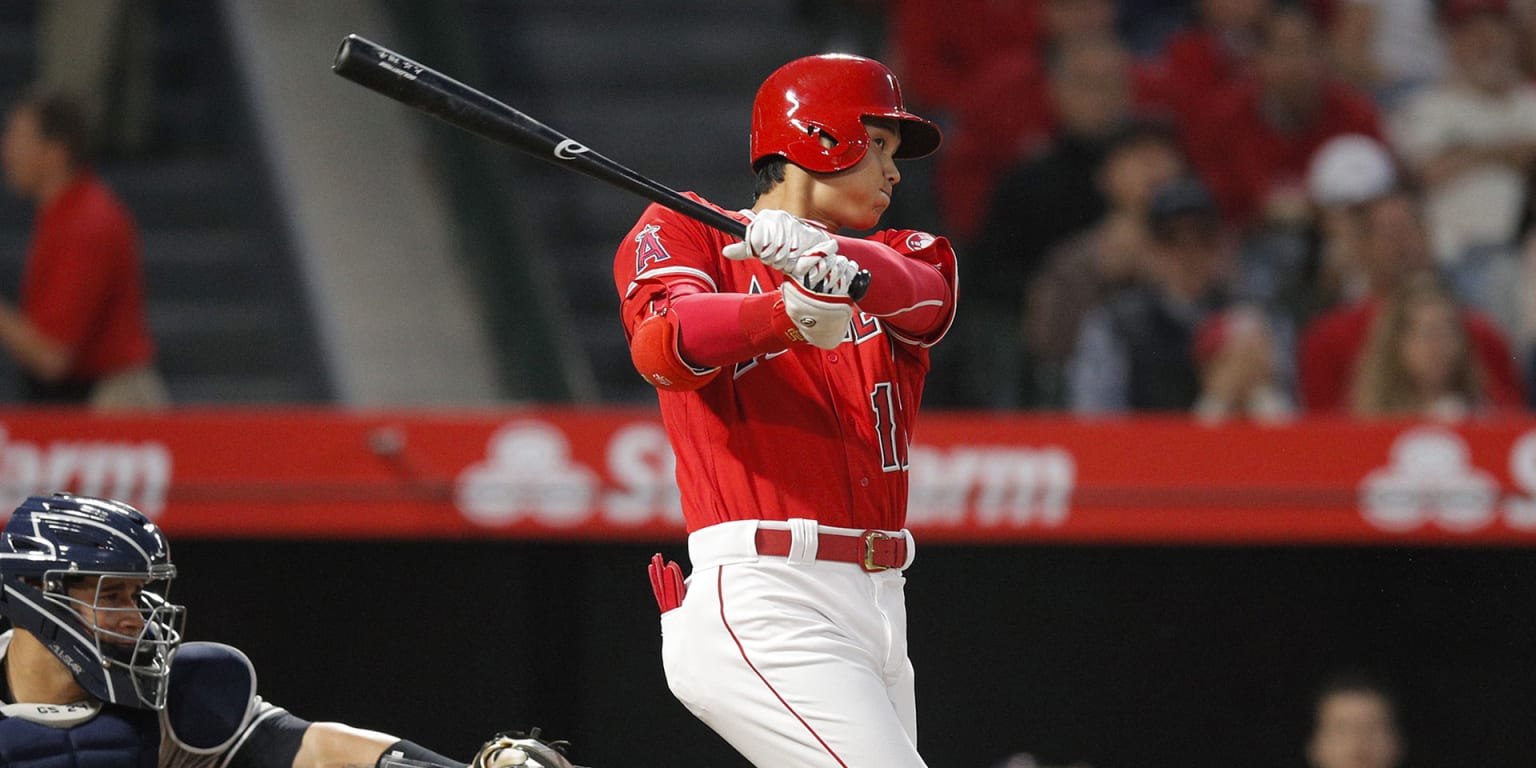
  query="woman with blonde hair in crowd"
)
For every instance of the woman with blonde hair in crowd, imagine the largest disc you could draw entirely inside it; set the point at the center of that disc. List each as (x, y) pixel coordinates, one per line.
(1418, 360)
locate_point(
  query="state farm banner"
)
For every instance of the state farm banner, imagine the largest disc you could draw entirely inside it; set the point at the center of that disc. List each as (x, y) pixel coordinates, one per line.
(606, 474)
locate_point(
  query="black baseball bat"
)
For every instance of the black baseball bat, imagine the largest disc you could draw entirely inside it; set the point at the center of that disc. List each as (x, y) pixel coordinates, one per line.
(418, 86)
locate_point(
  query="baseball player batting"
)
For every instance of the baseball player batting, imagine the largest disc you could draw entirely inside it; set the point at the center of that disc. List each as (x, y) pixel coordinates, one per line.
(789, 406)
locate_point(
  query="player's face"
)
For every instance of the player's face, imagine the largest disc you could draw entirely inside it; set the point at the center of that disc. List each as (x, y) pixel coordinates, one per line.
(1355, 730)
(857, 197)
(111, 604)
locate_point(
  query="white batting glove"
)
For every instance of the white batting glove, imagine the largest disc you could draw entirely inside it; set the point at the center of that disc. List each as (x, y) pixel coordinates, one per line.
(821, 318)
(829, 273)
(778, 239)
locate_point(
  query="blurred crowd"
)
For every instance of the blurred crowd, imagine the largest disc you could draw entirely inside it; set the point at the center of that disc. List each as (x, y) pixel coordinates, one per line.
(1238, 209)
(1234, 208)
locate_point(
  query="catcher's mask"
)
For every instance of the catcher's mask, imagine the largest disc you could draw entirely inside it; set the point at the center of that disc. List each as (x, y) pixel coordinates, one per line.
(118, 566)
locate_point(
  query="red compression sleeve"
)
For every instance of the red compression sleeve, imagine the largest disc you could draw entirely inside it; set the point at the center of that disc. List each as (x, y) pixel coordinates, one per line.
(910, 293)
(716, 329)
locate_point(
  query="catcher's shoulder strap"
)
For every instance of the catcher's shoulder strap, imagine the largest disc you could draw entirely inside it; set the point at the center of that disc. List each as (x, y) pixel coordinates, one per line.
(211, 696)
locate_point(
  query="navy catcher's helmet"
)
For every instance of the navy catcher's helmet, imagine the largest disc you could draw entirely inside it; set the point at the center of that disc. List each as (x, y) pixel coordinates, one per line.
(56, 553)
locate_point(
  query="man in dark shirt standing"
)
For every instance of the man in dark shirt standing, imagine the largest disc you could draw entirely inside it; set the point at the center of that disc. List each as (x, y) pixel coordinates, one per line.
(79, 335)
(1037, 205)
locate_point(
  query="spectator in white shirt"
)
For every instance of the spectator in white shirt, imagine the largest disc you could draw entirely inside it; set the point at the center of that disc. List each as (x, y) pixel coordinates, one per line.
(1471, 137)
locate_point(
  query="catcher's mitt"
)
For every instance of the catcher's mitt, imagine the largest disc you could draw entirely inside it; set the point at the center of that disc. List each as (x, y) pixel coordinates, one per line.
(521, 750)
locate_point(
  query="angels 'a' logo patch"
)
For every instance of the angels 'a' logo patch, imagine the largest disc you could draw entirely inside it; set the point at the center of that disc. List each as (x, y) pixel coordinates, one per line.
(649, 248)
(917, 241)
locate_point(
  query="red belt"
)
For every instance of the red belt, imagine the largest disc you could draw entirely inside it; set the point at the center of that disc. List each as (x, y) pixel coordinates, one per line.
(870, 550)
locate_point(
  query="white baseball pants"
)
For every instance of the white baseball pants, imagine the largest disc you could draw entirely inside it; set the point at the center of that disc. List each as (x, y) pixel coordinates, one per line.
(796, 663)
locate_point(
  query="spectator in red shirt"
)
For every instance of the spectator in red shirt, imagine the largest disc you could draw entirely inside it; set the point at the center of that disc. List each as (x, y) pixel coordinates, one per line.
(1393, 247)
(1003, 107)
(80, 335)
(1254, 144)
(942, 46)
(1209, 56)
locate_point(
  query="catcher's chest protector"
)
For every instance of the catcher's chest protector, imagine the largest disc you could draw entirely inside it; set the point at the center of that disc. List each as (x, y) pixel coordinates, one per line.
(118, 737)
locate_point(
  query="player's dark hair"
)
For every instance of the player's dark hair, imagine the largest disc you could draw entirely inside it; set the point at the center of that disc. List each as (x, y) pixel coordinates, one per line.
(60, 119)
(770, 173)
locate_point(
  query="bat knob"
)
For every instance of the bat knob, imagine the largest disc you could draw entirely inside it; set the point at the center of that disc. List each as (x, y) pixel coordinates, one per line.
(859, 286)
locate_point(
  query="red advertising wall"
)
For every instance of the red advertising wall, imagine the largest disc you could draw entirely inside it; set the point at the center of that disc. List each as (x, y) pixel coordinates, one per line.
(606, 475)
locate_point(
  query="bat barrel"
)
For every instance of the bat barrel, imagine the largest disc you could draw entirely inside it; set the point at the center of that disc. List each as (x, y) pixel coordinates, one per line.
(369, 64)
(416, 85)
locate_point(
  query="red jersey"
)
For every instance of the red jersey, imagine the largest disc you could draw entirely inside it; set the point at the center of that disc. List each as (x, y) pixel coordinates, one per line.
(82, 287)
(802, 433)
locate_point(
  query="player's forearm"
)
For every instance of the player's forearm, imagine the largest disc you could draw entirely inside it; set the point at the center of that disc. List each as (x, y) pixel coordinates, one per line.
(334, 745)
(910, 293)
(716, 329)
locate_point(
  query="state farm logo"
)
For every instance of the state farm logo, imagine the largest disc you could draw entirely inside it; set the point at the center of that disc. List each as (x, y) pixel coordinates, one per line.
(996, 486)
(138, 473)
(1430, 480)
(530, 474)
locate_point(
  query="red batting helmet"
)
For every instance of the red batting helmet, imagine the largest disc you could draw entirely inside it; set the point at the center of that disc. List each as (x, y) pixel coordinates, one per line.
(828, 95)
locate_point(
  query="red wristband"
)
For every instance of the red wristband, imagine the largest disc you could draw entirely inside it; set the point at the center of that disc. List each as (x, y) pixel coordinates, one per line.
(765, 325)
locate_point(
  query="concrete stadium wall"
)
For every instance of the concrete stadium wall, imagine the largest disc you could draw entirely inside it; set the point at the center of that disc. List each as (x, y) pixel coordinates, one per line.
(369, 216)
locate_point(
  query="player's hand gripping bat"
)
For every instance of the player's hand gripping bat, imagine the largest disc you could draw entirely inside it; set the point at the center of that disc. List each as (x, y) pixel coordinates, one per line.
(421, 87)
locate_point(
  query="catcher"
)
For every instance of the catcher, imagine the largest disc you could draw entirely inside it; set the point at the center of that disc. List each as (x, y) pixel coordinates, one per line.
(94, 672)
